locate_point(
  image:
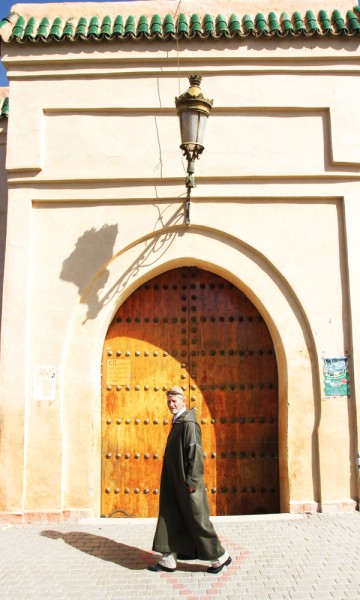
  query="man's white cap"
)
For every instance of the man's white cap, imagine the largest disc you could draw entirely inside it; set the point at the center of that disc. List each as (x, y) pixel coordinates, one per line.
(175, 391)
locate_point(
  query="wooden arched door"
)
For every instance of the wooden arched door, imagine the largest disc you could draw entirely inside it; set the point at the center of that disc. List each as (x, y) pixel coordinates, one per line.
(191, 328)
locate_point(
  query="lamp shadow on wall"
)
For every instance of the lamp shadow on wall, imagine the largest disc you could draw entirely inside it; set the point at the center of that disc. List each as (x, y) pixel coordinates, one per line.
(86, 268)
(92, 250)
(154, 246)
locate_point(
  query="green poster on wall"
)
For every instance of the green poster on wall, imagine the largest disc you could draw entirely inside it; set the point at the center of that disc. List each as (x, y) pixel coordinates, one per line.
(336, 376)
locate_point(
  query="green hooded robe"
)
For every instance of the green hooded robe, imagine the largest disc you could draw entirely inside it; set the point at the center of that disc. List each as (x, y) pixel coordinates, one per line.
(184, 518)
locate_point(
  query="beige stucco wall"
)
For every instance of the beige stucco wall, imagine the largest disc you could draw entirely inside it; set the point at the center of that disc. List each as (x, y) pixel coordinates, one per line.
(174, 7)
(96, 189)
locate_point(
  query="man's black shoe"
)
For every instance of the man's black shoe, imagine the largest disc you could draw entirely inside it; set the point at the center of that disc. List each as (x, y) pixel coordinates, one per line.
(159, 567)
(215, 570)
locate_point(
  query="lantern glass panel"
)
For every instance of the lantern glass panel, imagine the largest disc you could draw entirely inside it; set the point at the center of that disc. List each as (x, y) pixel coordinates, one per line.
(192, 125)
(201, 128)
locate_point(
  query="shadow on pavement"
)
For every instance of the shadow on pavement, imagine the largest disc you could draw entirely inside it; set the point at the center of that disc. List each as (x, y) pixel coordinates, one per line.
(104, 548)
(107, 549)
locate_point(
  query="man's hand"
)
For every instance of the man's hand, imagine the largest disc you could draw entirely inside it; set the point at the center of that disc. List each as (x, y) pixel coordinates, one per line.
(191, 490)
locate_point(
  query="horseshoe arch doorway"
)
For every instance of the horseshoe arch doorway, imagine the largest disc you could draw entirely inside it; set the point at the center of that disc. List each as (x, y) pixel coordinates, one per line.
(192, 328)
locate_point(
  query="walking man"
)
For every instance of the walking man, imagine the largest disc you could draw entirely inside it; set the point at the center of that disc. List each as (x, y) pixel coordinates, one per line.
(184, 529)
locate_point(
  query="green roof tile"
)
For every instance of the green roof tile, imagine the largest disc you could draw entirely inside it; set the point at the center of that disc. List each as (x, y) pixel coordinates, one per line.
(353, 23)
(221, 25)
(130, 27)
(195, 25)
(143, 27)
(208, 25)
(4, 108)
(18, 30)
(260, 24)
(248, 25)
(81, 29)
(311, 22)
(6, 20)
(216, 26)
(156, 25)
(29, 33)
(105, 30)
(274, 25)
(325, 22)
(69, 28)
(234, 25)
(119, 29)
(298, 23)
(43, 29)
(168, 26)
(339, 22)
(286, 24)
(56, 29)
(182, 25)
(93, 30)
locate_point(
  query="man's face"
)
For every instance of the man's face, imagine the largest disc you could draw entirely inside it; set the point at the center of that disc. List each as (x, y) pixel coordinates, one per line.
(175, 403)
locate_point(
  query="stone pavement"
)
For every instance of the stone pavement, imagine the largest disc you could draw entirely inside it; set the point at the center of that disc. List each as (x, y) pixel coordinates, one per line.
(274, 557)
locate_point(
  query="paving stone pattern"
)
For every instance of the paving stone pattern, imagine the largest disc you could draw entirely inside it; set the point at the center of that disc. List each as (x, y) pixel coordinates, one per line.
(311, 557)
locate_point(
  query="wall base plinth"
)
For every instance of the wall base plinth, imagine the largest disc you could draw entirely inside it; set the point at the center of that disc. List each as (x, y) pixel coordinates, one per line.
(304, 506)
(339, 506)
(329, 508)
(55, 516)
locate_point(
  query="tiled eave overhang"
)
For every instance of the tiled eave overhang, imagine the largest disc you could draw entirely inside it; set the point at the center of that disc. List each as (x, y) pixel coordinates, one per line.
(109, 28)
